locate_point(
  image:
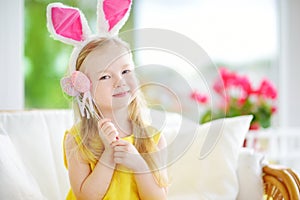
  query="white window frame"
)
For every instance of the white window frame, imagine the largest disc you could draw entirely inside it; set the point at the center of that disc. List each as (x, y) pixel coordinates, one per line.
(11, 55)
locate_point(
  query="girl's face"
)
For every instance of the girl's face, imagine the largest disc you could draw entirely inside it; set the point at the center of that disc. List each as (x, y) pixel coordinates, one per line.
(111, 72)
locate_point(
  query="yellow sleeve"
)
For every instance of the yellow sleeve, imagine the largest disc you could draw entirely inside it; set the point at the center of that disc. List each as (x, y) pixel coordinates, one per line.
(155, 134)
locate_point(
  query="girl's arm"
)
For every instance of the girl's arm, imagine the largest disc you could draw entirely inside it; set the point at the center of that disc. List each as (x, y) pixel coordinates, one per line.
(87, 184)
(147, 185)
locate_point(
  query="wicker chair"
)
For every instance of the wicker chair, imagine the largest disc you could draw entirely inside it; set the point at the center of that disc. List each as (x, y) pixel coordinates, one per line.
(280, 183)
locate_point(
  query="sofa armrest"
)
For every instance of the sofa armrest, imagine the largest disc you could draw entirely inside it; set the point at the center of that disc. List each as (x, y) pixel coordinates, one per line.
(280, 183)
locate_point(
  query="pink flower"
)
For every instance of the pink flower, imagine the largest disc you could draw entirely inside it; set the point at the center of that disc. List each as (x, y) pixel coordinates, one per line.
(241, 101)
(228, 78)
(200, 98)
(239, 98)
(219, 87)
(273, 109)
(244, 83)
(224, 82)
(254, 126)
(232, 80)
(267, 89)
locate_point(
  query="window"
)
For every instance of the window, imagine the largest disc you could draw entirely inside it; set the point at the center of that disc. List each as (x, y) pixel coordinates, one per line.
(241, 35)
(231, 32)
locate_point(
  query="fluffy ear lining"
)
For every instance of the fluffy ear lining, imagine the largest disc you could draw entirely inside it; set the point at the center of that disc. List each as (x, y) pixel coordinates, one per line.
(112, 15)
(67, 24)
(70, 26)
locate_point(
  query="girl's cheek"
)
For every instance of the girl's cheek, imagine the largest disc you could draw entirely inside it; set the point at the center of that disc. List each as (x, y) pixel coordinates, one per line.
(98, 89)
(100, 84)
(132, 81)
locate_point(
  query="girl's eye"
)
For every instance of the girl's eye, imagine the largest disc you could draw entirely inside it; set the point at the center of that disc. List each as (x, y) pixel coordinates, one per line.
(126, 71)
(104, 77)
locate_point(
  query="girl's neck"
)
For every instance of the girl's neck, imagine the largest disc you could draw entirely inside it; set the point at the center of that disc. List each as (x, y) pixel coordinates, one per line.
(121, 121)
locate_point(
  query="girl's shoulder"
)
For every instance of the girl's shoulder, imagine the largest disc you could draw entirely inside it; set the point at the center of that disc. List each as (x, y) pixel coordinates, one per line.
(74, 133)
(74, 130)
(73, 143)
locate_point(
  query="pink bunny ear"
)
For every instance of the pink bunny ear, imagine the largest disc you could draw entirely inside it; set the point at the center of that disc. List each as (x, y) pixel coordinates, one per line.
(67, 24)
(112, 15)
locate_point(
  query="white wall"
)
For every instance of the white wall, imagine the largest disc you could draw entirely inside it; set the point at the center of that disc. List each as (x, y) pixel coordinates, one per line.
(11, 54)
(289, 66)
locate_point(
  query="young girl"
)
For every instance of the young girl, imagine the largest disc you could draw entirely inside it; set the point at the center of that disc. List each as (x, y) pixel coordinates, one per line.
(117, 156)
(100, 166)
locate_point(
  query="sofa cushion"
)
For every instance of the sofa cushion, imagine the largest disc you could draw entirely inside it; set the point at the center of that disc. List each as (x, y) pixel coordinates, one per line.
(206, 167)
(37, 136)
(16, 181)
(249, 172)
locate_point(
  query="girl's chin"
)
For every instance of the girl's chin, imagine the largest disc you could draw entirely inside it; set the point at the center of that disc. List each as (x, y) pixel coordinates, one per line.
(121, 102)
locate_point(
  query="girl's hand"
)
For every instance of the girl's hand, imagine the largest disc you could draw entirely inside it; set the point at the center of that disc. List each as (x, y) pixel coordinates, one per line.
(107, 132)
(126, 154)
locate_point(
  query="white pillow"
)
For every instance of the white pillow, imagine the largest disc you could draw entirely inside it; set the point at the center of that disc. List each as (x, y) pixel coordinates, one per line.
(207, 167)
(15, 182)
(249, 171)
(37, 136)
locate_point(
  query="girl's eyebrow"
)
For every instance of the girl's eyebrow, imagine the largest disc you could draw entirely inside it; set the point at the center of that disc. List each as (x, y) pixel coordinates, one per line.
(123, 66)
(101, 71)
(126, 65)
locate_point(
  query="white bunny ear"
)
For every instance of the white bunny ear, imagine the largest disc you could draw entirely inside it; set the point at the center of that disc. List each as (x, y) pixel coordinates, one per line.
(112, 15)
(67, 24)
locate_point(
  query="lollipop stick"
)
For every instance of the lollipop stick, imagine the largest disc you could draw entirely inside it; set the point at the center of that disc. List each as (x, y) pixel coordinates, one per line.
(95, 113)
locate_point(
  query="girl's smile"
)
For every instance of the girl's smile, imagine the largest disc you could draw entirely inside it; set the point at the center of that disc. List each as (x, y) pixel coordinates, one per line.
(121, 94)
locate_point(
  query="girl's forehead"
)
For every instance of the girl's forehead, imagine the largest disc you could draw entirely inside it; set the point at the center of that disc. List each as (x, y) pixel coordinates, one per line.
(106, 57)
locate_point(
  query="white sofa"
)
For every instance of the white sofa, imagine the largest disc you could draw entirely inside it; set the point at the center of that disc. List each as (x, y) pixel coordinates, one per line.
(31, 161)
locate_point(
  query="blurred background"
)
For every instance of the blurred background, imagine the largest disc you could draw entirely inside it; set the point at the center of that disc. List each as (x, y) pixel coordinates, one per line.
(257, 38)
(241, 35)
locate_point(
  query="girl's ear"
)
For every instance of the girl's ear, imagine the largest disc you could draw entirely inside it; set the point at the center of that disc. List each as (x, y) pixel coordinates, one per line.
(112, 15)
(67, 24)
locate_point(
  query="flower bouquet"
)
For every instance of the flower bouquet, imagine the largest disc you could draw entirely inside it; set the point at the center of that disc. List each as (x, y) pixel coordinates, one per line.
(239, 97)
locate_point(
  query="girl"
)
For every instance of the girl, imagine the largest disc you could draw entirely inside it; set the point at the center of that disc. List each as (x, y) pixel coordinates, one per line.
(116, 156)
(113, 158)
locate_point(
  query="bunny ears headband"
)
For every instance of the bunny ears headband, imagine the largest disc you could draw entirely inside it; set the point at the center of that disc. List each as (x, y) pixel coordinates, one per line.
(69, 25)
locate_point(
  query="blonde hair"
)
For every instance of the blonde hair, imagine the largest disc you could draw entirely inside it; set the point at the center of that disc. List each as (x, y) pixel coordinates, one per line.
(143, 138)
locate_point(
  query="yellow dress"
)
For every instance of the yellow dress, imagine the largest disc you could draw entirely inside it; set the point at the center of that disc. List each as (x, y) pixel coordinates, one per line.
(123, 185)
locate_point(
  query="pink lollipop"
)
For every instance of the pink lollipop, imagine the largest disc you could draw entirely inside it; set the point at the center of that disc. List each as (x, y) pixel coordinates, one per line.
(68, 88)
(75, 84)
(80, 81)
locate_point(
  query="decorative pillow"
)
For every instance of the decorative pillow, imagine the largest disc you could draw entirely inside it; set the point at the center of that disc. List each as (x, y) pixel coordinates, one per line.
(249, 171)
(207, 167)
(37, 136)
(16, 182)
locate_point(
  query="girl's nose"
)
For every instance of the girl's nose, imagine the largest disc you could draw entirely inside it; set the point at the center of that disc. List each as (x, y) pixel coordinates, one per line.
(119, 82)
